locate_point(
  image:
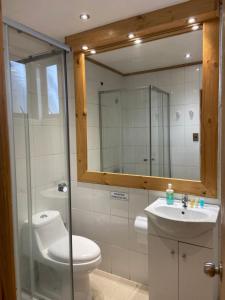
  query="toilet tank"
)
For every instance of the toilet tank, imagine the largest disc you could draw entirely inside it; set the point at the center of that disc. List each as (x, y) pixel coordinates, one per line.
(47, 228)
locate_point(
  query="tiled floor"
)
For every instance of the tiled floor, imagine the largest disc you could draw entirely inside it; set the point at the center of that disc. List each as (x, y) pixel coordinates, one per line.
(106, 286)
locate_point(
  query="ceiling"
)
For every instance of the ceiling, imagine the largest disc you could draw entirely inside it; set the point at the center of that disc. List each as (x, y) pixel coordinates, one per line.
(59, 18)
(155, 54)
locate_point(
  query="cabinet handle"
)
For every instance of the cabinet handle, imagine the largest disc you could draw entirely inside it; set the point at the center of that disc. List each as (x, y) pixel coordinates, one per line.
(184, 255)
(172, 252)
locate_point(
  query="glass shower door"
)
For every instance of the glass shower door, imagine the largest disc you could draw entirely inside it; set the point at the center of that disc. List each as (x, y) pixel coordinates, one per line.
(159, 133)
(41, 160)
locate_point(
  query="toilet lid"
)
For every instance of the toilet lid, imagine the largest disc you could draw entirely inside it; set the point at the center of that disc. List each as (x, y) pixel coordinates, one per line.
(84, 250)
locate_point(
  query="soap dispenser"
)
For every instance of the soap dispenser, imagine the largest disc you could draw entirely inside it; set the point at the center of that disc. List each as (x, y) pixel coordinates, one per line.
(169, 195)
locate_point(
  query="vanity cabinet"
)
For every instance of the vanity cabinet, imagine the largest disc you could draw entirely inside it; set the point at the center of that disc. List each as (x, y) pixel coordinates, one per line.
(163, 269)
(194, 284)
(176, 270)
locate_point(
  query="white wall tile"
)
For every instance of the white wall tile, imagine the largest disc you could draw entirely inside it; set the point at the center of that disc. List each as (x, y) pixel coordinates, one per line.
(119, 208)
(106, 257)
(81, 197)
(138, 267)
(120, 261)
(101, 201)
(138, 201)
(83, 223)
(119, 231)
(101, 227)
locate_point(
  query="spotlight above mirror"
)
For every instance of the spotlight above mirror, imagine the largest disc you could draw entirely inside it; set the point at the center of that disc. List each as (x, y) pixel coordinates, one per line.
(84, 16)
(195, 27)
(191, 20)
(138, 41)
(131, 35)
(85, 47)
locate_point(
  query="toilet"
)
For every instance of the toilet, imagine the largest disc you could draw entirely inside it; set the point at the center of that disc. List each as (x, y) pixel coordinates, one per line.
(51, 248)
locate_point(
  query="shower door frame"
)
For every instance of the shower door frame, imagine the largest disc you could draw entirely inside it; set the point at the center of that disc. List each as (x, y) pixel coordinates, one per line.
(11, 286)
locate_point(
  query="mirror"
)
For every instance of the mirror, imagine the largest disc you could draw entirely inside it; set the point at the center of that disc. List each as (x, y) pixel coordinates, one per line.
(143, 104)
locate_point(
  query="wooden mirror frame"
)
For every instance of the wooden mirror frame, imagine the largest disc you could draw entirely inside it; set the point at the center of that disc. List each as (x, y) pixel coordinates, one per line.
(158, 24)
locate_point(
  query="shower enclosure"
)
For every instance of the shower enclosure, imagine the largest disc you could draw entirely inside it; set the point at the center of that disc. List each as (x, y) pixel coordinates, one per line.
(38, 114)
(135, 131)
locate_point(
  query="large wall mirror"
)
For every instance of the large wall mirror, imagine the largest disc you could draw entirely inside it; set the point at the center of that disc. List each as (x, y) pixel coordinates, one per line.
(147, 104)
(143, 104)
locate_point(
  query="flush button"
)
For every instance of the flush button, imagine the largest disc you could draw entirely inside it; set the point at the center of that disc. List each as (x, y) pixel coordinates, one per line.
(43, 216)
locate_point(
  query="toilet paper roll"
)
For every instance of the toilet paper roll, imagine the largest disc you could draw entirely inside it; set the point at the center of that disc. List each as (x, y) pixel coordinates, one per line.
(141, 224)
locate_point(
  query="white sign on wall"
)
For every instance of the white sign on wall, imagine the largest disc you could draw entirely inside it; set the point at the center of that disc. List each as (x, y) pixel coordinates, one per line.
(119, 196)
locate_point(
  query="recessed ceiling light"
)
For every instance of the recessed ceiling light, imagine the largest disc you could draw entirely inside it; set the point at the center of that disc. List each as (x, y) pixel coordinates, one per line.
(137, 41)
(187, 55)
(195, 27)
(92, 51)
(84, 17)
(131, 35)
(191, 20)
(85, 47)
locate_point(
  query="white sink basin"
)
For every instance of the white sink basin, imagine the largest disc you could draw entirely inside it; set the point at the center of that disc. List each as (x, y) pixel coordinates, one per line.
(177, 221)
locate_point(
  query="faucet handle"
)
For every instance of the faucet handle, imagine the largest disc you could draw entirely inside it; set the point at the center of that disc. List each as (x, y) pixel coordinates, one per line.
(185, 197)
(185, 201)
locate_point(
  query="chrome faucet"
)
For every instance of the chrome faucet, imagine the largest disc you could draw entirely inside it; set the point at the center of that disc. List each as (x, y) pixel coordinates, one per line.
(185, 201)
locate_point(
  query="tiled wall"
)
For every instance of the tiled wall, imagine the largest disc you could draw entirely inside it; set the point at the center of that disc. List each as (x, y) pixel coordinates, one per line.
(184, 86)
(109, 222)
(135, 129)
(100, 79)
(110, 108)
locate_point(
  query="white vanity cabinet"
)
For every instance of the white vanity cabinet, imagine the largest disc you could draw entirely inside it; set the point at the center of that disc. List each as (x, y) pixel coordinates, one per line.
(163, 269)
(194, 284)
(176, 270)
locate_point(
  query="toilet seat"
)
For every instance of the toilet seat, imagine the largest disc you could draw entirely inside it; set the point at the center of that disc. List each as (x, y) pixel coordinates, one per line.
(84, 250)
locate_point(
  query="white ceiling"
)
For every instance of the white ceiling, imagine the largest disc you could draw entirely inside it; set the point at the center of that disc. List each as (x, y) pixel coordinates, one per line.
(59, 18)
(155, 54)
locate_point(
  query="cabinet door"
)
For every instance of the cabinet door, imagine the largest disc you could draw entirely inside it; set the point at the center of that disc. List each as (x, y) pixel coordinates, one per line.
(193, 283)
(163, 269)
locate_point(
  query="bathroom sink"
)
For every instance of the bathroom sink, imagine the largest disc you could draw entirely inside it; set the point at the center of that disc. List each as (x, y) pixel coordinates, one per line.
(177, 221)
(53, 193)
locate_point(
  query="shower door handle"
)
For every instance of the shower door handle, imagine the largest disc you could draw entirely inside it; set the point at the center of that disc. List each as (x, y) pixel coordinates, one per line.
(145, 159)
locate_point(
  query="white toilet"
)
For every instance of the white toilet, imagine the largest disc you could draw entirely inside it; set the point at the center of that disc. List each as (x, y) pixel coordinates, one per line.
(51, 248)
